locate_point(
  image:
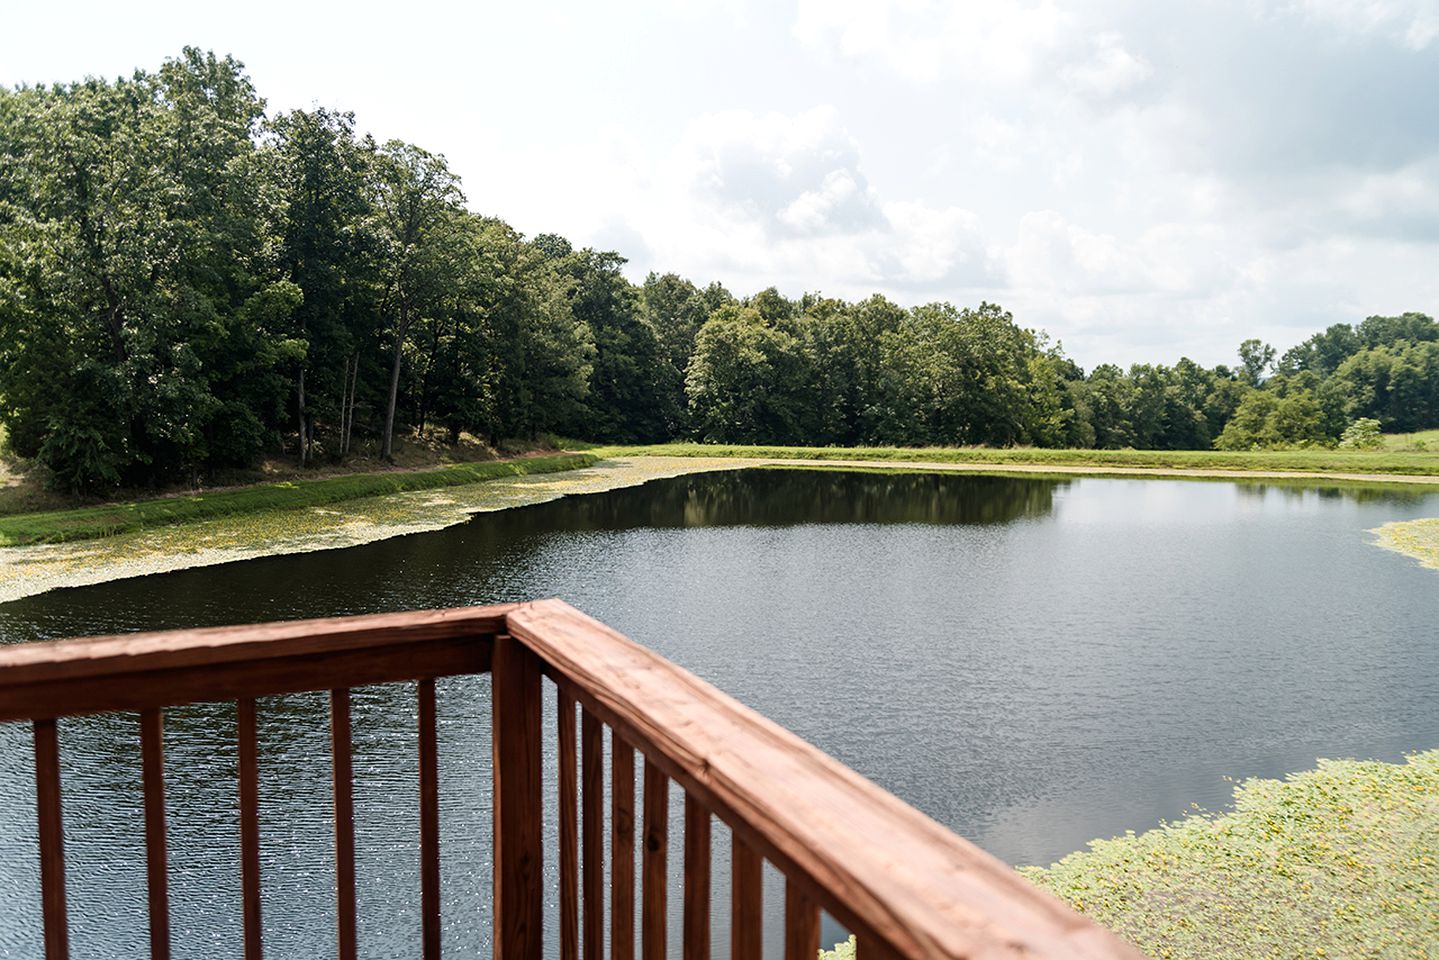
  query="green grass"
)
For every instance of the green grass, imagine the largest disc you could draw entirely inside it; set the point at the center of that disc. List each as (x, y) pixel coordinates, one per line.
(1341, 861)
(85, 523)
(1421, 463)
(1425, 440)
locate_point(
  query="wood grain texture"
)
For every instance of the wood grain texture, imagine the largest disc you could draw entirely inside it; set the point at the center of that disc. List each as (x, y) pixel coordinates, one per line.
(343, 789)
(879, 865)
(519, 852)
(429, 823)
(592, 813)
(568, 785)
(50, 823)
(109, 656)
(746, 902)
(801, 924)
(152, 773)
(697, 881)
(249, 828)
(655, 862)
(236, 680)
(622, 849)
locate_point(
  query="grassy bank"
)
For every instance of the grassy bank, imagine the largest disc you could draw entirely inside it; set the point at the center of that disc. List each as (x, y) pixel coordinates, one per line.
(85, 523)
(1341, 861)
(1415, 463)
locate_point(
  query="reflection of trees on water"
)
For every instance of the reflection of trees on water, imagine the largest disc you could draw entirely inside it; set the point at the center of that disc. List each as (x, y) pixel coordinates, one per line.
(791, 497)
(1296, 493)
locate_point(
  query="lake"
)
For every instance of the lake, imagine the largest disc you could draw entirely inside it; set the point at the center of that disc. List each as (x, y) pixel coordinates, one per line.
(1033, 662)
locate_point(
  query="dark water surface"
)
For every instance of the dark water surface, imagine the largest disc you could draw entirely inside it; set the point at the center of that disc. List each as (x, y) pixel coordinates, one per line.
(1032, 662)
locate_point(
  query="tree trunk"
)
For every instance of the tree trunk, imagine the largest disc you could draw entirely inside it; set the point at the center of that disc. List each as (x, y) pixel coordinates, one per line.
(401, 328)
(304, 446)
(354, 388)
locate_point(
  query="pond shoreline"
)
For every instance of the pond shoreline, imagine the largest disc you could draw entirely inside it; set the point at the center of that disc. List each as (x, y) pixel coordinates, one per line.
(39, 568)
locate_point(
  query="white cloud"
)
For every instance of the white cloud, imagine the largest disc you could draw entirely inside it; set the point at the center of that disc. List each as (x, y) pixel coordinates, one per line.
(924, 39)
(1413, 24)
(1109, 71)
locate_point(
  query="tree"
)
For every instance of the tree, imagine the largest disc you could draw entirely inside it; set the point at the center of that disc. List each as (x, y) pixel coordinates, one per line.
(1362, 434)
(417, 206)
(634, 393)
(320, 172)
(1255, 359)
(746, 379)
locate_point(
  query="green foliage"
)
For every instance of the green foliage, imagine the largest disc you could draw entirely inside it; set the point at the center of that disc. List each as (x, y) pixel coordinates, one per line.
(1271, 418)
(186, 284)
(91, 522)
(1362, 434)
(1337, 862)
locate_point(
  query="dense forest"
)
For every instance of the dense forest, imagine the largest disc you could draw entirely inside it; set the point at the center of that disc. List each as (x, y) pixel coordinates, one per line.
(188, 283)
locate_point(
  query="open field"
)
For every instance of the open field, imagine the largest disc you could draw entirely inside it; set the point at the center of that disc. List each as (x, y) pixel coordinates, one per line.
(1340, 861)
(1424, 440)
(1318, 460)
(107, 520)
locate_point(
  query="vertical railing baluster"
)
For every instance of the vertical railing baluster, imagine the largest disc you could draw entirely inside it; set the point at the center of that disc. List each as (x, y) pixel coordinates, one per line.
(592, 798)
(152, 772)
(656, 854)
(52, 840)
(569, 830)
(429, 824)
(622, 848)
(249, 826)
(697, 881)
(519, 852)
(801, 924)
(342, 774)
(746, 906)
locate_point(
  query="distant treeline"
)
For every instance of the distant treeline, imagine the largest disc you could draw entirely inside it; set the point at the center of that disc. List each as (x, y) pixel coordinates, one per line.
(187, 284)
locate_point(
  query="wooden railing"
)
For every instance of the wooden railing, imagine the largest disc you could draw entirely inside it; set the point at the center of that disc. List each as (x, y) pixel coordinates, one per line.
(905, 885)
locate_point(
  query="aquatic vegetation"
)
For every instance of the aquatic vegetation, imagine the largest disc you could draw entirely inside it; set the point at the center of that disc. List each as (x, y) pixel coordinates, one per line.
(86, 523)
(1339, 861)
(36, 568)
(1413, 538)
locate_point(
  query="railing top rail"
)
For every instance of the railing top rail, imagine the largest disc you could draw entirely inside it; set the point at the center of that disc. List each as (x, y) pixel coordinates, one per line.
(92, 658)
(879, 864)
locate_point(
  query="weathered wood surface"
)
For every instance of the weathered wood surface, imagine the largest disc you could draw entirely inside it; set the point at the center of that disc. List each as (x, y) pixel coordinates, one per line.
(886, 870)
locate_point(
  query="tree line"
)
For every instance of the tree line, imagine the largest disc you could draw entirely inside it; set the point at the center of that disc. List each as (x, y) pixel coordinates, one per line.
(188, 283)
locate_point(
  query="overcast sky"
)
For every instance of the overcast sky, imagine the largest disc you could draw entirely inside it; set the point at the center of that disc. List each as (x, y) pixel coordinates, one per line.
(1142, 180)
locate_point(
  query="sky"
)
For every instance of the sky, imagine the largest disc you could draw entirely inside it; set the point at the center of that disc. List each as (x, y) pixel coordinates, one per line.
(1143, 181)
